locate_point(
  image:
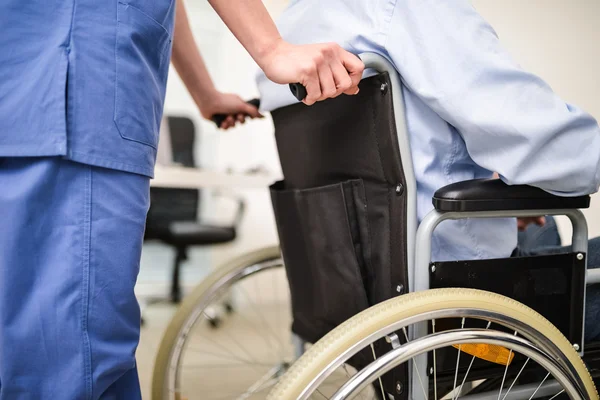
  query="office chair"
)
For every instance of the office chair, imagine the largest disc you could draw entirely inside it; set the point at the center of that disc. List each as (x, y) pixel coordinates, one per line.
(173, 216)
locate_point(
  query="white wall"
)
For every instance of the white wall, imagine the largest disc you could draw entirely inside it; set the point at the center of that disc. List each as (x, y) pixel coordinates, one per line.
(247, 146)
(557, 39)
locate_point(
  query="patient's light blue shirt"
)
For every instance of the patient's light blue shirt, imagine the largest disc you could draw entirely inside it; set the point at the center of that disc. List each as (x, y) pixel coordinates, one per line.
(84, 79)
(470, 108)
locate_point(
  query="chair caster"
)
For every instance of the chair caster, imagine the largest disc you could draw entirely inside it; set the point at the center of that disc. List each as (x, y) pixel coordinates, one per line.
(214, 322)
(176, 298)
(229, 308)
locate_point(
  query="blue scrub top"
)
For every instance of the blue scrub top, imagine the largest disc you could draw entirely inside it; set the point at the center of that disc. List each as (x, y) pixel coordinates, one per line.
(84, 79)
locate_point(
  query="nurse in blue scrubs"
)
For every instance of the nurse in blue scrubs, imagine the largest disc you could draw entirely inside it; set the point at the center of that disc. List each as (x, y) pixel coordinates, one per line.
(82, 84)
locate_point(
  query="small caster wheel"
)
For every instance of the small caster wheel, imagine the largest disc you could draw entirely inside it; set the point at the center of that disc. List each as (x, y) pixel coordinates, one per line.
(214, 322)
(176, 298)
(228, 308)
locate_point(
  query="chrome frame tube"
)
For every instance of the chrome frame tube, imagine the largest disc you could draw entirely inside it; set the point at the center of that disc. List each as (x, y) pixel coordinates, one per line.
(519, 392)
(434, 218)
(380, 64)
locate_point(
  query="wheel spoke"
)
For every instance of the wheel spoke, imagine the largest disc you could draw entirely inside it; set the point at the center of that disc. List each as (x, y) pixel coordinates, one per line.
(517, 377)
(434, 365)
(236, 343)
(505, 371)
(260, 383)
(325, 397)
(462, 326)
(415, 367)
(468, 369)
(234, 366)
(264, 321)
(250, 357)
(231, 356)
(380, 383)
(541, 383)
(557, 394)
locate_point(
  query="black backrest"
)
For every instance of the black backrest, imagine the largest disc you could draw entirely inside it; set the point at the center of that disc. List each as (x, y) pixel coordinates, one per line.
(341, 210)
(348, 138)
(183, 138)
(168, 205)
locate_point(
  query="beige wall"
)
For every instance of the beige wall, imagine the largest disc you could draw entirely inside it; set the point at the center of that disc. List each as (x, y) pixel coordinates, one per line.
(557, 39)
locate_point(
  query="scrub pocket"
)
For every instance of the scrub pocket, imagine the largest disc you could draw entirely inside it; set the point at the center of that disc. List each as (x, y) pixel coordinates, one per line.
(142, 64)
(325, 244)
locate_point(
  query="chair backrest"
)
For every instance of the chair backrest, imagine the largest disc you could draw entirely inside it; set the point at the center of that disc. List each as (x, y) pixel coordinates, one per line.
(168, 205)
(183, 138)
(342, 209)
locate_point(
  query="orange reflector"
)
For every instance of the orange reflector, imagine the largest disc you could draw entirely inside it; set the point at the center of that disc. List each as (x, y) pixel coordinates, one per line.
(488, 352)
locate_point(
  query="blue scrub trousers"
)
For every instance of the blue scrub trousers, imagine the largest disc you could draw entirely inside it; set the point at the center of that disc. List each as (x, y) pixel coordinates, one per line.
(70, 244)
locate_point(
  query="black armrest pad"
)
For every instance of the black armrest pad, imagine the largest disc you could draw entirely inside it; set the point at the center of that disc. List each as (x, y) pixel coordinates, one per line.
(495, 195)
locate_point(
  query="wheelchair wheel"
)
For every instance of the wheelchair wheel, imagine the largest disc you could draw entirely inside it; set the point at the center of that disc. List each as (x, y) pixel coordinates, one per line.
(246, 352)
(477, 344)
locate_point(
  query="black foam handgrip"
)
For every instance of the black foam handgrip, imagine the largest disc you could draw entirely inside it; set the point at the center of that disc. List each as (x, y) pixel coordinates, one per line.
(219, 118)
(298, 90)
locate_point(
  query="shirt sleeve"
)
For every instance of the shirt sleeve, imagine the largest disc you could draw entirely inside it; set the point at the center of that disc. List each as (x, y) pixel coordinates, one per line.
(511, 120)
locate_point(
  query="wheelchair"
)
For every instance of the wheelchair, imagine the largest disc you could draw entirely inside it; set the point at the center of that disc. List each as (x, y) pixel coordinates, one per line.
(385, 321)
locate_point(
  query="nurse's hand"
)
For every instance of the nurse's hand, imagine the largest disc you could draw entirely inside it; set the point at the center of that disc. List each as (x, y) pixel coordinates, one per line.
(228, 104)
(326, 70)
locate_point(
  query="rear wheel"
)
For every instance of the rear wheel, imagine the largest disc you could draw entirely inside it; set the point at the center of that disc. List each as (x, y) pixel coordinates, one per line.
(474, 343)
(210, 353)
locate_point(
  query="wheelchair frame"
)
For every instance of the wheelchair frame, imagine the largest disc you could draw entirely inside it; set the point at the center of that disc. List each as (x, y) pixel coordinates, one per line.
(419, 240)
(418, 257)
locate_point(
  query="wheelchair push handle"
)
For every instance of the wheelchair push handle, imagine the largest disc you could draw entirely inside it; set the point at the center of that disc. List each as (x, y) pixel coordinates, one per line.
(299, 91)
(219, 118)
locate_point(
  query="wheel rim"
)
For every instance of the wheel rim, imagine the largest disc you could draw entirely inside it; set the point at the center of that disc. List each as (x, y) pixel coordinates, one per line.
(436, 341)
(203, 355)
(528, 333)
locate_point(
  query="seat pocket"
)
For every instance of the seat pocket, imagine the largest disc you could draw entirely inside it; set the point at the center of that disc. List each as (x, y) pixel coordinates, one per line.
(142, 64)
(324, 239)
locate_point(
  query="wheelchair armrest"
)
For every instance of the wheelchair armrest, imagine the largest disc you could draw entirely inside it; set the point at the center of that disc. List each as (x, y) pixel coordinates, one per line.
(495, 195)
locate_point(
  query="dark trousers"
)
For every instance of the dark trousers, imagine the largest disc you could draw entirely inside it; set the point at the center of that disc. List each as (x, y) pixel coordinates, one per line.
(538, 240)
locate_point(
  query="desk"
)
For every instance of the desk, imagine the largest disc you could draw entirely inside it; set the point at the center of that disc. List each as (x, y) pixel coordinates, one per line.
(196, 178)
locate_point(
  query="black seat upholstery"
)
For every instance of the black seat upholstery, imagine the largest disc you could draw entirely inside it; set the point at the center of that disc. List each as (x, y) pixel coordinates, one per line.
(173, 215)
(495, 195)
(194, 233)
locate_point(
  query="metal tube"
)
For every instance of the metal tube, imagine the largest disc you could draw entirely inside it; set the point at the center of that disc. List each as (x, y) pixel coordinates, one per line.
(381, 64)
(593, 276)
(580, 231)
(520, 392)
(423, 253)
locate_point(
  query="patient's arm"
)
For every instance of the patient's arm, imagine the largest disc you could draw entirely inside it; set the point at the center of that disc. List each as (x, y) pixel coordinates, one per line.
(511, 120)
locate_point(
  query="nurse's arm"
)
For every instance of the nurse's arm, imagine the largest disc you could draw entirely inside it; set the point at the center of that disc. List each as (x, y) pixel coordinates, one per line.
(326, 70)
(188, 62)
